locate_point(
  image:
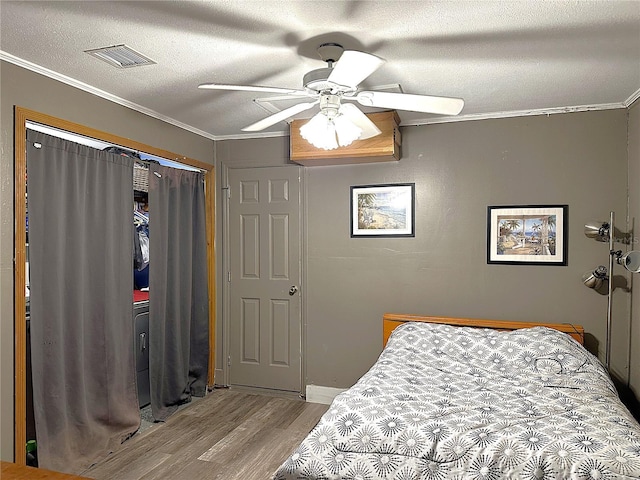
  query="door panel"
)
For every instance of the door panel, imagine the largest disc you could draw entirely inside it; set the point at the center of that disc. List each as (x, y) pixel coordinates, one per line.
(279, 333)
(250, 331)
(264, 262)
(250, 240)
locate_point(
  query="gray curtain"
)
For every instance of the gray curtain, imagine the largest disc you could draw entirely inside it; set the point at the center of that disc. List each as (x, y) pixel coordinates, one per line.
(178, 289)
(80, 204)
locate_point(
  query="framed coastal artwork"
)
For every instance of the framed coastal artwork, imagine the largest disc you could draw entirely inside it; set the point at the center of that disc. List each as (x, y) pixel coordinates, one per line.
(383, 210)
(527, 234)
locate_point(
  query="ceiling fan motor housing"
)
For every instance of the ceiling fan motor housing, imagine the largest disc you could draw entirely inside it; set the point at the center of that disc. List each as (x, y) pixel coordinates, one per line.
(316, 80)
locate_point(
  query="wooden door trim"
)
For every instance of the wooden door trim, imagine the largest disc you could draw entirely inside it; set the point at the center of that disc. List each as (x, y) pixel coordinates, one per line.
(20, 299)
(209, 185)
(21, 117)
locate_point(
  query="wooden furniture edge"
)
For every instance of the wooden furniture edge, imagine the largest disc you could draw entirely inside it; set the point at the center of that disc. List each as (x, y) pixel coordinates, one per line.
(391, 320)
(12, 471)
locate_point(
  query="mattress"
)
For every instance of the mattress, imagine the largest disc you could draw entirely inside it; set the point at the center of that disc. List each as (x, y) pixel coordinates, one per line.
(446, 402)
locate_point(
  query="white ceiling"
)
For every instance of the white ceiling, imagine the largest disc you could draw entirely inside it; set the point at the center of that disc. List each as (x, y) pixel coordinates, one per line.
(505, 58)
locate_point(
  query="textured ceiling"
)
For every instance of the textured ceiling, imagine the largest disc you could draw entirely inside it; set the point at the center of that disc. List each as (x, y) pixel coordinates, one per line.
(504, 58)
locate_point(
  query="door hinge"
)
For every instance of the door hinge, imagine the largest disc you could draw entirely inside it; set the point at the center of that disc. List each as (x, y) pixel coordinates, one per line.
(228, 276)
(229, 361)
(228, 190)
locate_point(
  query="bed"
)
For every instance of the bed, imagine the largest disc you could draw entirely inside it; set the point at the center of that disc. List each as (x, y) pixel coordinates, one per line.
(453, 398)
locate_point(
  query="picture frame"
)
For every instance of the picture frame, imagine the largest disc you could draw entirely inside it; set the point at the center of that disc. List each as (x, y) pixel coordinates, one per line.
(527, 235)
(383, 210)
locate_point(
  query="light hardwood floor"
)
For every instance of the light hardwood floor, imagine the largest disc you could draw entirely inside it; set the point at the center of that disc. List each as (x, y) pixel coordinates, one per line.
(229, 434)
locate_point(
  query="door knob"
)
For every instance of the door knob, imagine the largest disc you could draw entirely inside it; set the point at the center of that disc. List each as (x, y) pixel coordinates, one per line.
(293, 290)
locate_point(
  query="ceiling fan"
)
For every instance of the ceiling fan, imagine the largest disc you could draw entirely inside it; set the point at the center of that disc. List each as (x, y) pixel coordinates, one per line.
(338, 82)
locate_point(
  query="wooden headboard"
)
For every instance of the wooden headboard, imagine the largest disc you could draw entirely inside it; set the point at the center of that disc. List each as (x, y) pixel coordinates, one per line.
(391, 320)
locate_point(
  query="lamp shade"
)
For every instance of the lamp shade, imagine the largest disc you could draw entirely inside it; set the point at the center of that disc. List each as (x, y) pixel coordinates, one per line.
(597, 230)
(630, 261)
(346, 130)
(320, 132)
(595, 278)
(327, 133)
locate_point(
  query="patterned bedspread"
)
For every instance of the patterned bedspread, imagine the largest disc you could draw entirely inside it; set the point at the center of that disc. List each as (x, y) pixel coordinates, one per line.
(447, 402)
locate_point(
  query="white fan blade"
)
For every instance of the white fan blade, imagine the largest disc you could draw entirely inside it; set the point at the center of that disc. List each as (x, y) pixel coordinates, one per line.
(357, 116)
(288, 98)
(353, 67)
(251, 88)
(412, 103)
(278, 117)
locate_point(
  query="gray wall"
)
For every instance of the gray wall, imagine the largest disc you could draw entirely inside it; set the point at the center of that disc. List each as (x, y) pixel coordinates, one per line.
(27, 89)
(459, 169)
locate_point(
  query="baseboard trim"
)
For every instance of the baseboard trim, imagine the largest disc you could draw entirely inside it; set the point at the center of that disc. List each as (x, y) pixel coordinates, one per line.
(324, 395)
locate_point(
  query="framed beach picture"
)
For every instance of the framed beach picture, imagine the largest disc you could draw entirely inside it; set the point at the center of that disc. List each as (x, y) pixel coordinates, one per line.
(527, 234)
(383, 210)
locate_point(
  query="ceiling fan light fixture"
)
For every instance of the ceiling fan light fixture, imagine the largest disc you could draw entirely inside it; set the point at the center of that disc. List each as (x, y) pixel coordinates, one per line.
(346, 130)
(320, 132)
(329, 133)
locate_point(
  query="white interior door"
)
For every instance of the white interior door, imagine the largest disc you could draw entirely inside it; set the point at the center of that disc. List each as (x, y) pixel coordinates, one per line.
(264, 278)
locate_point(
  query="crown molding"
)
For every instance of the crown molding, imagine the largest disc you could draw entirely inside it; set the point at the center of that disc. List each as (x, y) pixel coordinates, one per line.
(513, 113)
(633, 98)
(245, 136)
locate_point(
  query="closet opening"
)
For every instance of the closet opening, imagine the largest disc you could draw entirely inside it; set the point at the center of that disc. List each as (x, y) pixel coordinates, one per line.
(143, 156)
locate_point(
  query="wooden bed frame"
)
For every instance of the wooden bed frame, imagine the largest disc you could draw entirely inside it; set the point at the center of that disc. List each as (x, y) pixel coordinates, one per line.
(391, 320)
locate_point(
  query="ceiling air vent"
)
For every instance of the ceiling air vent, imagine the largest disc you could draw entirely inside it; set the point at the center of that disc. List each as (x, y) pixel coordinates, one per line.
(120, 56)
